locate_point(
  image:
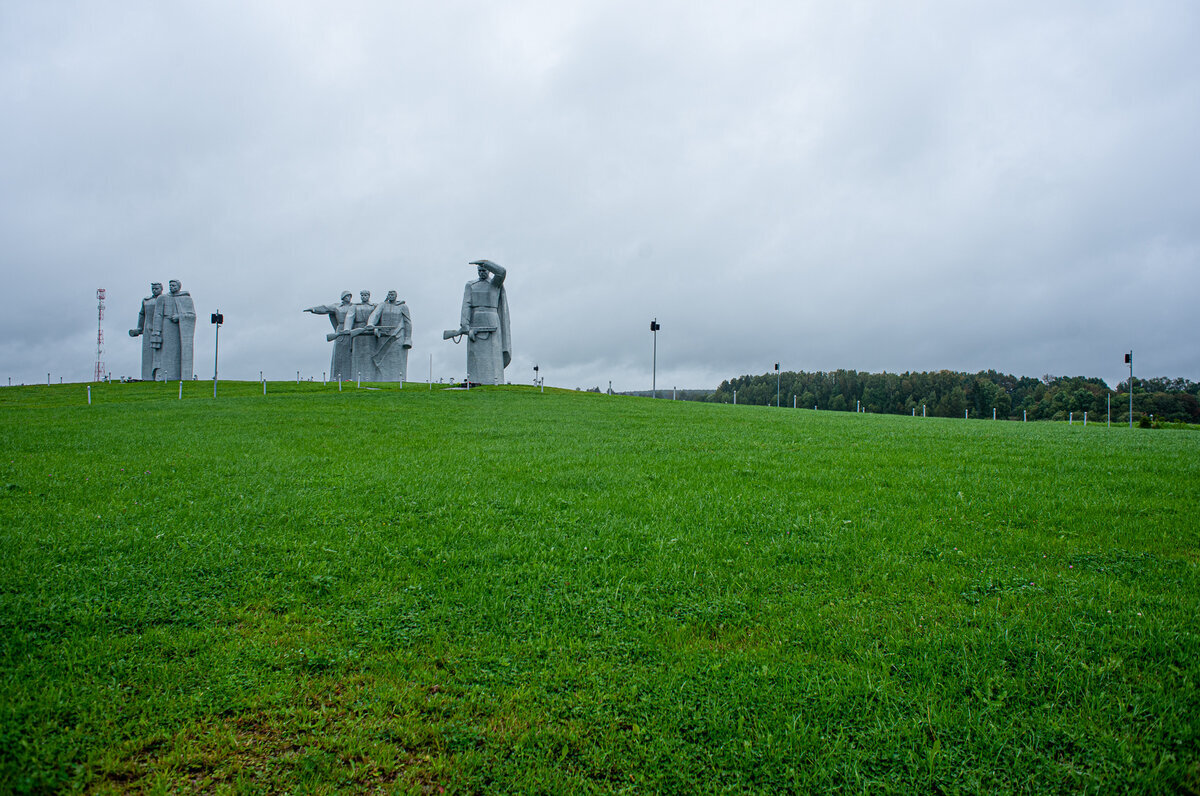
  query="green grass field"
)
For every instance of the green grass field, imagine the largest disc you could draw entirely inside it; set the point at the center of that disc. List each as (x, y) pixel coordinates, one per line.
(507, 591)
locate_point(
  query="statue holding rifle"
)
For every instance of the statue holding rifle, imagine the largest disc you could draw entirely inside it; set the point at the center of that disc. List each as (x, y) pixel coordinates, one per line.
(339, 365)
(484, 322)
(393, 328)
(362, 340)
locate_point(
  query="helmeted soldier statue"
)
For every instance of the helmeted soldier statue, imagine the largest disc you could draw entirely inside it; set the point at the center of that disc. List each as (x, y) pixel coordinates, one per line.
(339, 364)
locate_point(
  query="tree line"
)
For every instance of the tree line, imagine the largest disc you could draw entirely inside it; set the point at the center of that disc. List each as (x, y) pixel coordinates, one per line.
(953, 394)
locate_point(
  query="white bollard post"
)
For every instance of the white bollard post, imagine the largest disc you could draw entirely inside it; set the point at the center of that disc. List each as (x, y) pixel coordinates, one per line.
(359, 379)
(914, 411)
(264, 386)
(297, 377)
(181, 389)
(1070, 418)
(794, 402)
(993, 413)
(1024, 415)
(322, 378)
(339, 382)
(1085, 418)
(966, 414)
(922, 410)
(735, 397)
(89, 395)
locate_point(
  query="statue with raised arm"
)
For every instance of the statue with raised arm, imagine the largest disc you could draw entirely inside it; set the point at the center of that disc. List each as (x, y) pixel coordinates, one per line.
(175, 321)
(484, 321)
(339, 364)
(362, 340)
(151, 338)
(393, 328)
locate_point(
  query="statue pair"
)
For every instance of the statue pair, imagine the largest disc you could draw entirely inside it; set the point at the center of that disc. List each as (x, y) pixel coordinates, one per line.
(370, 341)
(167, 326)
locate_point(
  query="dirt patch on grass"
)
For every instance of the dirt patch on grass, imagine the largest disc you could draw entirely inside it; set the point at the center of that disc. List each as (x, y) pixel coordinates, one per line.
(270, 752)
(718, 638)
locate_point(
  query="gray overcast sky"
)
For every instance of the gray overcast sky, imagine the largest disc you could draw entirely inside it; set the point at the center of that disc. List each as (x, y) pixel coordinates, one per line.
(869, 185)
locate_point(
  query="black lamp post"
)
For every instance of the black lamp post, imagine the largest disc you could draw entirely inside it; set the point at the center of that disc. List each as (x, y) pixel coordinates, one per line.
(1129, 361)
(217, 320)
(654, 327)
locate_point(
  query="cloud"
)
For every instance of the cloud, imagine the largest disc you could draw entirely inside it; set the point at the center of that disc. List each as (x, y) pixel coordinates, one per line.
(864, 186)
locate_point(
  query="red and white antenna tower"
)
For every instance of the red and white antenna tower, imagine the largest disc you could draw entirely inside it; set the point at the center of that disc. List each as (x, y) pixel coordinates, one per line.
(99, 375)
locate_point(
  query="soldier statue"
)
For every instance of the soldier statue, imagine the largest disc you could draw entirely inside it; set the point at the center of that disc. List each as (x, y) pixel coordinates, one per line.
(339, 364)
(484, 321)
(393, 328)
(151, 338)
(175, 321)
(362, 341)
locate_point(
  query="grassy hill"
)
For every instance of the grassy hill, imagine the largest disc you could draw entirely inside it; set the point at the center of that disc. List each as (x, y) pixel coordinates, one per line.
(502, 590)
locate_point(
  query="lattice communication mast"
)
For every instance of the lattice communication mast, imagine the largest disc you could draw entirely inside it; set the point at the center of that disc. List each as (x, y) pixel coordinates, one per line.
(99, 375)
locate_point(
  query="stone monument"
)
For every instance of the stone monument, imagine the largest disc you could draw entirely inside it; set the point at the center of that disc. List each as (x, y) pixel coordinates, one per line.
(167, 326)
(393, 330)
(484, 321)
(339, 365)
(151, 338)
(362, 341)
(175, 317)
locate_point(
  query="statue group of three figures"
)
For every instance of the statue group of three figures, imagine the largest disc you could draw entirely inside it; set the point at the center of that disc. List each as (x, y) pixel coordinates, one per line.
(167, 326)
(371, 341)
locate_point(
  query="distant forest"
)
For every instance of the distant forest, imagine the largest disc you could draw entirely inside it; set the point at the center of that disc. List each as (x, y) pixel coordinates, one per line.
(950, 394)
